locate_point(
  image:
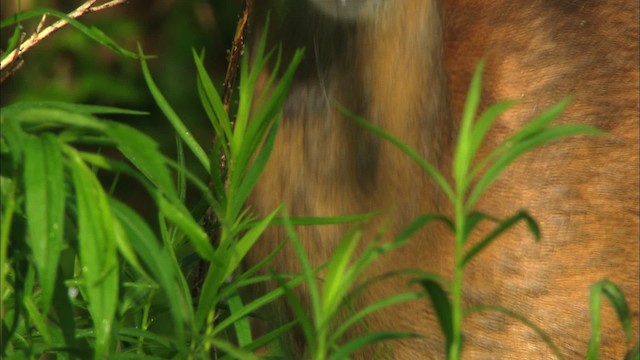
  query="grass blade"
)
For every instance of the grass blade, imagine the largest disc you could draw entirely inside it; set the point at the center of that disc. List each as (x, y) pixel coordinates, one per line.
(358, 343)
(547, 340)
(517, 149)
(361, 314)
(442, 306)
(619, 304)
(97, 247)
(463, 155)
(45, 202)
(161, 267)
(339, 275)
(173, 118)
(440, 180)
(92, 32)
(505, 225)
(143, 152)
(242, 325)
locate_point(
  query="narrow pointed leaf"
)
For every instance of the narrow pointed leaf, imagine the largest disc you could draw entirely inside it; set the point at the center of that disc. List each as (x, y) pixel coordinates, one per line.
(541, 121)
(173, 118)
(346, 350)
(437, 176)
(442, 307)
(521, 318)
(97, 245)
(619, 304)
(501, 228)
(45, 201)
(144, 153)
(517, 149)
(463, 155)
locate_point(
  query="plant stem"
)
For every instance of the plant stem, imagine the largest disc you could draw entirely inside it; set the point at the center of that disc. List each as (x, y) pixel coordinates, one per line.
(456, 286)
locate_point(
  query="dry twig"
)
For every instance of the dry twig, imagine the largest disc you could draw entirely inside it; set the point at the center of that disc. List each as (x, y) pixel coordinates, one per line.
(42, 33)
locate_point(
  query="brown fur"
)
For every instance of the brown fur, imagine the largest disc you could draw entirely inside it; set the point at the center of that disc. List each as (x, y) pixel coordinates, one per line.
(405, 65)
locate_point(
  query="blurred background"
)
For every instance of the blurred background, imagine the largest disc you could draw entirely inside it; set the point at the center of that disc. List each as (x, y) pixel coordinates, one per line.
(69, 66)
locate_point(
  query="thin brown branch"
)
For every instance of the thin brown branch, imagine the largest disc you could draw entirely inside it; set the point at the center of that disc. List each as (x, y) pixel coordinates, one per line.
(40, 33)
(107, 5)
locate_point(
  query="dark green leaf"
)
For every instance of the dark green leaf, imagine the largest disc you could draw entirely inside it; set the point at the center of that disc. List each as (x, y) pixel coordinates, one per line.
(619, 304)
(442, 306)
(505, 225)
(523, 320)
(368, 340)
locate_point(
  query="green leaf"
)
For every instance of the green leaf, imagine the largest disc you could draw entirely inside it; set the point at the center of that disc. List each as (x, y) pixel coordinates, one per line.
(505, 225)
(66, 319)
(547, 340)
(160, 264)
(442, 306)
(308, 275)
(143, 152)
(339, 275)
(247, 184)
(14, 40)
(212, 102)
(180, 216)
(437, 176)
(13, 109)
(227, 259)
(232, 350)
(619, 304)
(517, 149)
(416, 225)
(242, 326)
(260, 123)
(238, 250)
(173, 118)
(51, 118)
(377, 306)
(481, 128)
(97, 248)
(472, 220)
(45, 201)
(267, 339)
(463, 155)
(255, 304)
(8, 211)
(156, 339)
(367, 340)
(248, 80)
(217, 179)
(327, 220)
(39, 321)
(91, 32)
(541, 121)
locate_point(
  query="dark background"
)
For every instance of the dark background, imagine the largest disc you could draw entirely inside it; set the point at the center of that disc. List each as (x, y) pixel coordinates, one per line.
(69, 66)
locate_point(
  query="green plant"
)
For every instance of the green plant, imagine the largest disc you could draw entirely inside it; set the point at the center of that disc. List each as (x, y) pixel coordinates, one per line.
(247, 148)
(65, 230)
(471, 180)
(83, 275)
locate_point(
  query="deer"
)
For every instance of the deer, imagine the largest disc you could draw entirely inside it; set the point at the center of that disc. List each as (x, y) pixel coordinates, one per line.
(405, 66)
